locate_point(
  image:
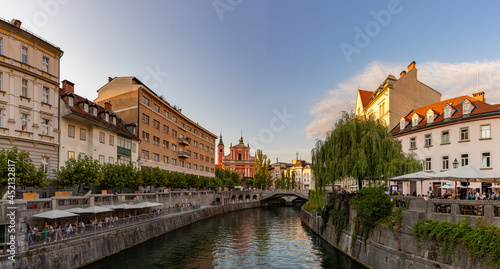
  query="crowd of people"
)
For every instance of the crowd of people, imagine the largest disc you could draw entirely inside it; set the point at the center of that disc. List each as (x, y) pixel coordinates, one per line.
(462, 193)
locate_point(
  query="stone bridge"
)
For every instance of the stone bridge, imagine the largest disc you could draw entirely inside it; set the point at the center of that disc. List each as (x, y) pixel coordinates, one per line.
(269, 195)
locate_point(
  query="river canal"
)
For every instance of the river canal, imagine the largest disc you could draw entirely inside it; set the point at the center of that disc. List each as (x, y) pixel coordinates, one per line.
(253, 238)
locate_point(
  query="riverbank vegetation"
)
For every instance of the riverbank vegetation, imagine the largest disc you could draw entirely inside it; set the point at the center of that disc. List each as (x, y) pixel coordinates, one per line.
(482, 242)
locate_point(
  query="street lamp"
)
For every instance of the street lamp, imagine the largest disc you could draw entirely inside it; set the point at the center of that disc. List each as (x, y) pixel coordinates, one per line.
(455, 163)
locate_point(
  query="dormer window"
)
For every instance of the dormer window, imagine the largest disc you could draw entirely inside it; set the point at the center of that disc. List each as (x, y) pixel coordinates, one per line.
(467, 107)
(447, 111)
(86, 107)
(106, 117)
(414, 120)
(430, 116)
(70, 101)
(94, 111)
(114, 120)
(402, 124)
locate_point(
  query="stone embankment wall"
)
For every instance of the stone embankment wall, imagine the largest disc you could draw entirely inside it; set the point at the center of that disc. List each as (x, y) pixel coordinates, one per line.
(399, 248)
(80, 252)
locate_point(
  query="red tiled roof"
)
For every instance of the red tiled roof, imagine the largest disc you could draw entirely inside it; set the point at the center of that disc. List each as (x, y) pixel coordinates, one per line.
(365, 97)
(456, 103)
(120, 126)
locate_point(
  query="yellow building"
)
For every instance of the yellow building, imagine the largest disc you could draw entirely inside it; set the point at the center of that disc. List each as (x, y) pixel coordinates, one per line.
(395, 97)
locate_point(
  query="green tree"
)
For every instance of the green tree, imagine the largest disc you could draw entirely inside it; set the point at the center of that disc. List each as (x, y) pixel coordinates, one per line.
(26, 174)
(359, 148)
(82, 172)
(262, 174)
(292, 180)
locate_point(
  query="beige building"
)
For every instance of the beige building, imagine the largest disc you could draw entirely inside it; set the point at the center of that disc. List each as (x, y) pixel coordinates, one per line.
(395, 97)
(169, 139)
(29, 99)
(304, 178)
(88, 129)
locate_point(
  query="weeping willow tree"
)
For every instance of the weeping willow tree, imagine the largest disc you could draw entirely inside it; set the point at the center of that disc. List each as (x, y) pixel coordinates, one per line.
(359, 148)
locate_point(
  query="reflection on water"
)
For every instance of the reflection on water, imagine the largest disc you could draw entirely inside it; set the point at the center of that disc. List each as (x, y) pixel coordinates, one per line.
(252, 238)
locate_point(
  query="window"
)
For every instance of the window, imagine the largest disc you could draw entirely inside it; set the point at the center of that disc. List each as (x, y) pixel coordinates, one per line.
(165, 159)
(145, 118)
(181, 163)
(195, 155)
(174, 119)
(174, 147)
(24, 88)
(86, 107)
(114, 120)
(174, 133)
(188, 165)
(45, 64)
(145, 136)
(446, 162)
(165, 144)
(195, 167)
(174, 161)
(202, 146)
(447, 111)
(24, 55)
(464, 134)
(195, 143)
(445, 137)
(211, 170)
(239, 157)
(94, 111)
(156, 140)
(430, 118)
(485, 131)
(45, 95)
(182, 124)
(1, 76)
(71, 155)
(81, 155)
(212, 160)
(102, 137)
(428, 140)
(101, 159)
(202, 168)
(45, 126)
(413, 142)
(111, 160)
(166, 114)
(71, 131)
(206, 169)
(211, 150)
(202, 158)
(207, 148)
(156, 124)
(1, 118)
(125, 142)
(45, 164)
(202, 135)
(195, 131)
(156, 157)
(428, 164)
(145, 100)
(145, 154)
(464, 159)
(156, 108)
(381, 109)
(466, 107)
(165, 128)
(106, 117)
(83, 134)
(486, 160)
(70, 101)
(415, 122)
(133, 147)
(111, 140)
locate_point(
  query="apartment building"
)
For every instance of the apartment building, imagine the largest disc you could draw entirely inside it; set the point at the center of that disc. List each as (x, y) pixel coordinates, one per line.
(462, 130)
(169, 139)
(29, 97)
(88, 129)
(392, 99)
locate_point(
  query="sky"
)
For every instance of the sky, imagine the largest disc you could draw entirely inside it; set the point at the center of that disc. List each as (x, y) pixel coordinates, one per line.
(279, 71)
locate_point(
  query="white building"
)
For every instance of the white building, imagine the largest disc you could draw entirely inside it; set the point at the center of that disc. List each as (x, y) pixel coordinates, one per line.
(464, 128)
(304, 178)
(88, 129)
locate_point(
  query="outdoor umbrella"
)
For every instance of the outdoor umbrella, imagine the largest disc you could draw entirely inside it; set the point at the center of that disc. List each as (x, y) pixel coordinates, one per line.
(463, 174)
(77, 210)
(493, 177)
(54, 214)
(125, 206)
(446, 187)
(418, 176)
(97, 209)
(147, 204)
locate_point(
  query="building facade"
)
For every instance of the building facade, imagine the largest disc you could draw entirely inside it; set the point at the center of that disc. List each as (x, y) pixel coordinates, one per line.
(304, 179)
(169, 139)
(238, 159)
(88, 129)
(463, 129)
(394, 97)
(29, 97)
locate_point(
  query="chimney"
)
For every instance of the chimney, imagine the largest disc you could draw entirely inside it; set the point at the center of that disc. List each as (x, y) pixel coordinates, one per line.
(479, 96)
(110, 79)
(68, 86)
(411, 66)
(108, 106)
(17, 23)
(402, 74)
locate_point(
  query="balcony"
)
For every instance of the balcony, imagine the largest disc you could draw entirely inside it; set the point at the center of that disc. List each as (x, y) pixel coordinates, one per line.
(184, 141)
(184, 154)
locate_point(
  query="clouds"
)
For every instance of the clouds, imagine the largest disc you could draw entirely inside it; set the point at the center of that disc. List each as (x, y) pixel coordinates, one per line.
(450, 79)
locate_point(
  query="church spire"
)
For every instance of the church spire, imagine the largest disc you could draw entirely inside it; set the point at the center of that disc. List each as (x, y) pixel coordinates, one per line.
(241, 138)
(220, 140)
